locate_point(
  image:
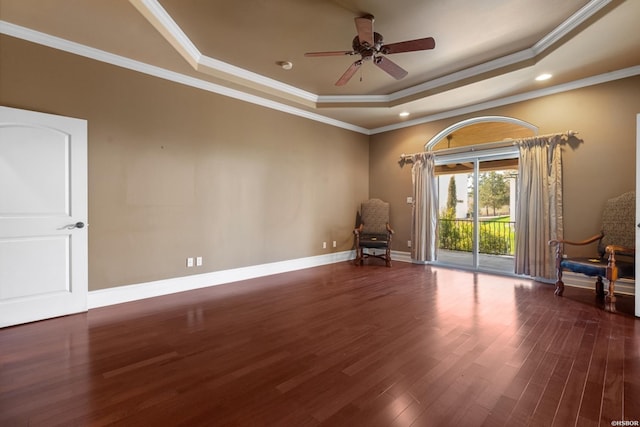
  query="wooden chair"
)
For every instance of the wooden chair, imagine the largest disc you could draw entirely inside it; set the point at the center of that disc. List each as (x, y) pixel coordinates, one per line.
(374, 233)
(615, 251)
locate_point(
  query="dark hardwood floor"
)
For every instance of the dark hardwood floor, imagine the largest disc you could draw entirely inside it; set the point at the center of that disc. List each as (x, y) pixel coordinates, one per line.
(335, 345)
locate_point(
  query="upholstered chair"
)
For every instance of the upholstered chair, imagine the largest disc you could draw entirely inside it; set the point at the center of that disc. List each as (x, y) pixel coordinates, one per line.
(373, 235)
(615, 255)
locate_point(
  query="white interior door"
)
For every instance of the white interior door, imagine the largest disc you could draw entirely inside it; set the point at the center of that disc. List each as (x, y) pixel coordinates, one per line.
(43, 213)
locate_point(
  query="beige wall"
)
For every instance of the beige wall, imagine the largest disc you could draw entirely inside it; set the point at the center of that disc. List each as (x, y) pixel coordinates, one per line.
(177, 172)
(602, 167)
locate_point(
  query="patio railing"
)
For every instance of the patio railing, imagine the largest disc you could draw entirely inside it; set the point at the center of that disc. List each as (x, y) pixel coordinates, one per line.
(496, 237)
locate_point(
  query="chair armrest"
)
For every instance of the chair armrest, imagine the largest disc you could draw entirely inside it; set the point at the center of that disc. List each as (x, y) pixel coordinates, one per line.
(389, 229)
(583, 242)
(617, 248)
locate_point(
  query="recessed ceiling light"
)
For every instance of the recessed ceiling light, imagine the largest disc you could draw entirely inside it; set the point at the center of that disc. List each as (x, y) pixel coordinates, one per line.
(404, 114)
(543, 77)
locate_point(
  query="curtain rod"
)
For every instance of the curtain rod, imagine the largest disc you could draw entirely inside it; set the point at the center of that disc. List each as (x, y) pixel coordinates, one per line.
(408, 158)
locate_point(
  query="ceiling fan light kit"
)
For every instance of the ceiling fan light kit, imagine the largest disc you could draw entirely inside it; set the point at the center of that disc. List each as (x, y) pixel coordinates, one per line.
(370, 46)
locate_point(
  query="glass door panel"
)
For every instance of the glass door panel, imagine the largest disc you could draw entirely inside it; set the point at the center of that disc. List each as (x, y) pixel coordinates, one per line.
(456, 202)
(476, 227)
(496, 215)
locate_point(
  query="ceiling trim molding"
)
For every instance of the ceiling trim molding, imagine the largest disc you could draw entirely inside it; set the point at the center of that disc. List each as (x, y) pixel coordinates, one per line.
(496, 64)
(162, 21)
(470, 72)
(586, 12)
(58, 43)
(227, 68)
(565, 87)
(37, 37)
(543, 44)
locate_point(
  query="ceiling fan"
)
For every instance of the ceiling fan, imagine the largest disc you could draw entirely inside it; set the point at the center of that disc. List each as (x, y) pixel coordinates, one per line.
(369, 45)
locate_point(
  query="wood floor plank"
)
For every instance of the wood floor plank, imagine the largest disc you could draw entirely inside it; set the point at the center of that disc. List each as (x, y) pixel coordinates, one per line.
(547, 407)
(613, 378)
(631, 373)
(410, 345)
(573, 393)
(591, 406)
(531, 395)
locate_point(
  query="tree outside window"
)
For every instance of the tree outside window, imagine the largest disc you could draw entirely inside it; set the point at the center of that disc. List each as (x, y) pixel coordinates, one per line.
(493, 191)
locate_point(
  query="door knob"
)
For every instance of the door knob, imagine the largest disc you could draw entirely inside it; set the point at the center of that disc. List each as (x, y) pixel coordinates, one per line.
(78, 224)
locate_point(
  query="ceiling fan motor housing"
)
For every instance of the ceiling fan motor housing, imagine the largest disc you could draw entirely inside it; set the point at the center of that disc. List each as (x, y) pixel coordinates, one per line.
(365, 49)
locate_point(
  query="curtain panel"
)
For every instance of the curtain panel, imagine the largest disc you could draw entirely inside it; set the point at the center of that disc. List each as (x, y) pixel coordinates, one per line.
(539, 205)
(424, 224)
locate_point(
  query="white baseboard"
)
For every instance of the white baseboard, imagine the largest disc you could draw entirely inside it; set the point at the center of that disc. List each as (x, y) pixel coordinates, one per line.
(401, 256)
(127, 293)
(623, 286)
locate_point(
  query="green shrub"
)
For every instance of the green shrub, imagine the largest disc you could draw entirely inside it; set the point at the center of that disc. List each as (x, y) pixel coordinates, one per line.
(496, 237)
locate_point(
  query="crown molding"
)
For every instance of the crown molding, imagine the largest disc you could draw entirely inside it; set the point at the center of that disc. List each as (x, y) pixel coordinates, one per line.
(163, 22)
(565, 87)
(562, 30)
(232, 70)
(444, 81)
(37, 37)
(524, 55)
(58, 43)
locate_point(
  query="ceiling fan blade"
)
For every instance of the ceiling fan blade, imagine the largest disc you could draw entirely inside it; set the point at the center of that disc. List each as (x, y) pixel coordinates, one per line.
(349, 73)
(331, 53)
(364, 25)
(393, 69)
(409, 46)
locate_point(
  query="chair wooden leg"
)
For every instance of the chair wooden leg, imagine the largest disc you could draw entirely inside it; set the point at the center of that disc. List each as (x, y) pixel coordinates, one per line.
(599, 287)
(612, 276)
(388, 258)
(559, 283)
(610, 299)
(358, 260)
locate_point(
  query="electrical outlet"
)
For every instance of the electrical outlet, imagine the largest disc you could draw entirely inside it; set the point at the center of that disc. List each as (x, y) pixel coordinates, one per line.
(334, 244)
(408, 243)
(199, 261)
(324, 245)
(189, 262)
(409, 200)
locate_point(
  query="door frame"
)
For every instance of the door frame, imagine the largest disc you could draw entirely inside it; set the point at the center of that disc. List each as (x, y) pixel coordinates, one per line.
(476, 157)
(637, 291)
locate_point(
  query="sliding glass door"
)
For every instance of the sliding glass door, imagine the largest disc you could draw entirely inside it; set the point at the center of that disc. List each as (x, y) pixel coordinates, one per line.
(476, 193)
